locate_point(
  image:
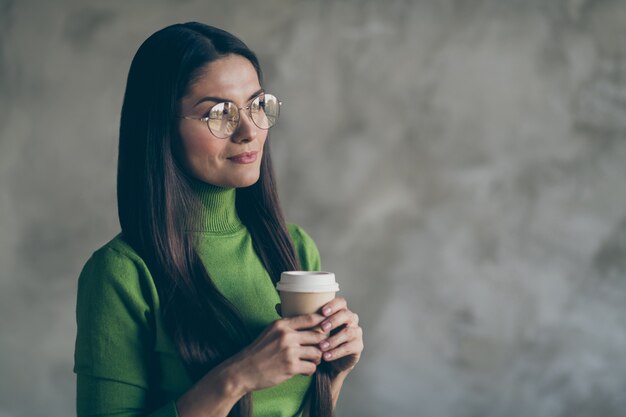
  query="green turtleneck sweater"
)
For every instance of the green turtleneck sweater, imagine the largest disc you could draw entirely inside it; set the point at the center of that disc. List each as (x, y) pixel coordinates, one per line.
(125, 362)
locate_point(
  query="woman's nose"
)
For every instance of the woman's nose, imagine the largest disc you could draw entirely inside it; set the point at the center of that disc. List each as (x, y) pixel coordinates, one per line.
(246, 131)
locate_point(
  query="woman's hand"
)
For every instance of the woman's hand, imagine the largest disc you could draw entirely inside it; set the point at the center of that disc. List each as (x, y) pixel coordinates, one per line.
(343, 348)
(286, 348)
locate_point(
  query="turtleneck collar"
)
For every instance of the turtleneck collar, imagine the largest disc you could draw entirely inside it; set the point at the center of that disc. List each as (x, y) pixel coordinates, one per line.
(218, 213)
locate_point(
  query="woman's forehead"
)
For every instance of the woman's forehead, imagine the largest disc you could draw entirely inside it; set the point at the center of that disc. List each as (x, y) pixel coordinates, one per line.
(232, 77)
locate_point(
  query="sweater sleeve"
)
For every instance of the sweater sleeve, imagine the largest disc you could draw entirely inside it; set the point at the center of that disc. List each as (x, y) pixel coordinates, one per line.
(307, 251)
(113, 357)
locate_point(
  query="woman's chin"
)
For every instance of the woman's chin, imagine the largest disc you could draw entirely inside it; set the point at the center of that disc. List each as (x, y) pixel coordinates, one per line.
(247, 183)
(241, 182)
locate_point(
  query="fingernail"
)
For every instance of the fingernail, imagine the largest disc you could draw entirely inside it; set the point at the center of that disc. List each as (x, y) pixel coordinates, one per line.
(327, 355)
(326, 311)
(326, 325)
(325, 345)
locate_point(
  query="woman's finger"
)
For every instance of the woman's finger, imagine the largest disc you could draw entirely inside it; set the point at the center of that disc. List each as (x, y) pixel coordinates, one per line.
(305, 321)
(340, 318)
(306, 368)
(353, 347)
(311, 354)
(336, 304)
(347, 334)
(310, 337)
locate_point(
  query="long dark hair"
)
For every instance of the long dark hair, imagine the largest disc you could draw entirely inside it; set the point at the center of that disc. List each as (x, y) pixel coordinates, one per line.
(156, 204)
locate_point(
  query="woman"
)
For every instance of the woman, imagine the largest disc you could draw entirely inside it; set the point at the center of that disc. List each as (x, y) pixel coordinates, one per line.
(177, 315)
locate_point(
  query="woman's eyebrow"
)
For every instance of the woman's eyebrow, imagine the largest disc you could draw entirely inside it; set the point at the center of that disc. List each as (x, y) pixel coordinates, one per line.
(220, 99)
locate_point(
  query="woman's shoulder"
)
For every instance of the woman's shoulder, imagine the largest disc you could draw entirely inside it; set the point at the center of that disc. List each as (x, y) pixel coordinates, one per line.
(115, 263)
(297, 232)
(305, 246)
(117, 247)
(116, 310)
(117, 251)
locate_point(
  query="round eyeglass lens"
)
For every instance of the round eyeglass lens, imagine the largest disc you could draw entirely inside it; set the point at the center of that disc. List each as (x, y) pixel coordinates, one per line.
(265, 110)
(223, 119)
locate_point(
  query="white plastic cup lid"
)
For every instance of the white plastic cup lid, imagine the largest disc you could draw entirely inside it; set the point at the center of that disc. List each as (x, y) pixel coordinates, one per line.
(307, 281)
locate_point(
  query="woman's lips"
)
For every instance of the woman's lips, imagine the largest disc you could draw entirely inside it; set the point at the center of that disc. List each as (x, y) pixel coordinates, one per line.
(244, 158)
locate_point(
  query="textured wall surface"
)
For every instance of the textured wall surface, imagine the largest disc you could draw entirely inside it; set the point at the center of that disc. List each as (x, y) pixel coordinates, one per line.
(461, 165)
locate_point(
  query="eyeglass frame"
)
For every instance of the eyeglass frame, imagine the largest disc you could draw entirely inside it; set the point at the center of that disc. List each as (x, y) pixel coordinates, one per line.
(248, 107)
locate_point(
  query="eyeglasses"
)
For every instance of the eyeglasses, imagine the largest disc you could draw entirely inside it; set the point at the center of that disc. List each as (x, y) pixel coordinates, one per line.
(223, 118)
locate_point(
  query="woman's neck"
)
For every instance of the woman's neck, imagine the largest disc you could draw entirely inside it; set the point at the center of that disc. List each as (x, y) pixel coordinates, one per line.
(218, 213)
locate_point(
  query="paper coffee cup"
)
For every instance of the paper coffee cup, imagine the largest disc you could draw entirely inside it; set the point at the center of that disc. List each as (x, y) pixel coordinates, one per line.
(305, 292)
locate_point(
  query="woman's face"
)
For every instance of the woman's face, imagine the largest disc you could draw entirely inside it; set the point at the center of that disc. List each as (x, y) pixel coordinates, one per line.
(230, 162)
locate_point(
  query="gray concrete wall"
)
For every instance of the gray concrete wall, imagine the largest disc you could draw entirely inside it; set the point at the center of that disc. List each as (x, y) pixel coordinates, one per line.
(461, 165)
